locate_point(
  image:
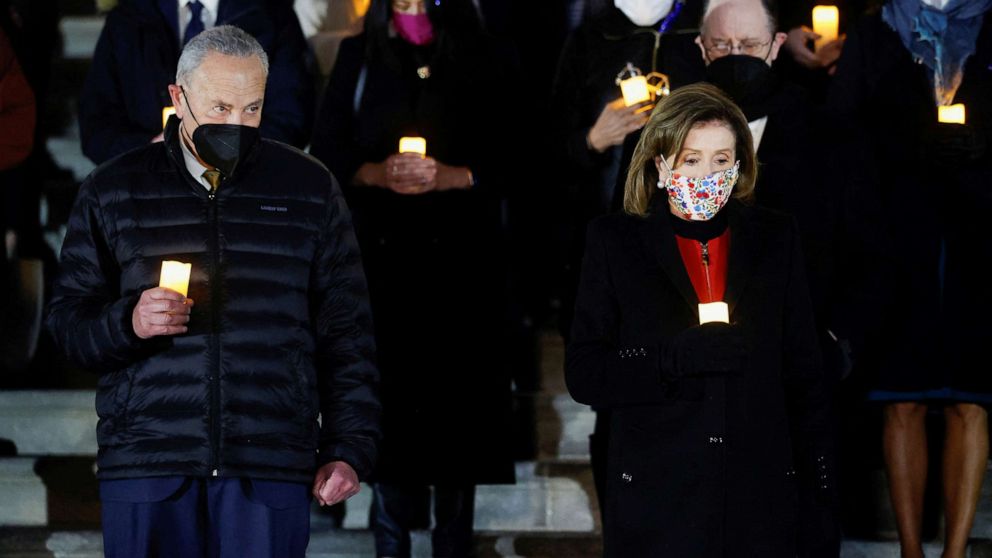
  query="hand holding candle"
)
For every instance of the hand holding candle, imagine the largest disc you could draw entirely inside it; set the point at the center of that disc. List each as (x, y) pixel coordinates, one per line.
(614, 124)
(164, 310)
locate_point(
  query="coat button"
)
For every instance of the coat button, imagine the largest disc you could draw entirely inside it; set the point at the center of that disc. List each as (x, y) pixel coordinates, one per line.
(716, 440)
(627, 477)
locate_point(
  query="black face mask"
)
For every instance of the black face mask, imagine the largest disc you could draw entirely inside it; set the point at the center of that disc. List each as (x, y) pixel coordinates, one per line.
(748, 80)
(222, 146)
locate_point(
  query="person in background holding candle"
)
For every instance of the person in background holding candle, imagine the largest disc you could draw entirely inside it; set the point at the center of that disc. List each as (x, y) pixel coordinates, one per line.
(430, 231)
(922, 185)
(210, 443)
(714, 428)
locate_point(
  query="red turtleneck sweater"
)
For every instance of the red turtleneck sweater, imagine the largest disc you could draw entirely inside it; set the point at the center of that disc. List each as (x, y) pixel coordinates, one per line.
(706, 263)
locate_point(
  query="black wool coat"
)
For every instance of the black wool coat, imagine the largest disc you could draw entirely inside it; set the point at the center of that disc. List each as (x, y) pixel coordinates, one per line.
(701, 466)
(280, 331)
(914, 198)
(434, 261)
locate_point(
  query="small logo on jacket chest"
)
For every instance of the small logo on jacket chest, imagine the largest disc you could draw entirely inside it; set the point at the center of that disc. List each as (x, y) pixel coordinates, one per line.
(274, 208)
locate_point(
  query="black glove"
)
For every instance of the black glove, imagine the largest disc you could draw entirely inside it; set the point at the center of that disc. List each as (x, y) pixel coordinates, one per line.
(953, 144)
(710, 349)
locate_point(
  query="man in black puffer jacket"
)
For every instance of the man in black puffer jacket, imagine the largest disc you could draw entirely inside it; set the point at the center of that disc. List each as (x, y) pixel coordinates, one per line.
(209, 433)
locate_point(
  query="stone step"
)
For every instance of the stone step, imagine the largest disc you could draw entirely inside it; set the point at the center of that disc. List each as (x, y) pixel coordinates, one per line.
(49, 422)
(43, 422)
(329, 543)
(61, 492)
(80, 34)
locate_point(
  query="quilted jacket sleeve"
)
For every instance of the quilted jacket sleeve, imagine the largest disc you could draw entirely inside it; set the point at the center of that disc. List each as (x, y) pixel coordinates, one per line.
(87, 316)
(347, 376)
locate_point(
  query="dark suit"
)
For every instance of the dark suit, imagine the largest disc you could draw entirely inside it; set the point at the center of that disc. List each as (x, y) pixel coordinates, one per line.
(701, 465)
(120, 106)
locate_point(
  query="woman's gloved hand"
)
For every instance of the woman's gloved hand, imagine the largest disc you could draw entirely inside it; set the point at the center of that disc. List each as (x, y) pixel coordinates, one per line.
(709, 349)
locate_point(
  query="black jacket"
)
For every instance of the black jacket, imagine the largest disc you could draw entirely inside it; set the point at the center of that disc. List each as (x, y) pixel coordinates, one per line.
(280, 331)
(710, 465)
(120, 106)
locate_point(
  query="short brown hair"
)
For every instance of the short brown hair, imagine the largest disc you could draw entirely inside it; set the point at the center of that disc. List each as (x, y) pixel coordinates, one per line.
(665, 134)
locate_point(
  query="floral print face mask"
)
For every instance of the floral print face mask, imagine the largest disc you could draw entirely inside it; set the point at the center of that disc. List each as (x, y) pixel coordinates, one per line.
(699, 199)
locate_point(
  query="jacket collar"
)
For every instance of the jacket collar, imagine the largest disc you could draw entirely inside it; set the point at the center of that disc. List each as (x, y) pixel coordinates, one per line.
(658, 240)
(175, 163)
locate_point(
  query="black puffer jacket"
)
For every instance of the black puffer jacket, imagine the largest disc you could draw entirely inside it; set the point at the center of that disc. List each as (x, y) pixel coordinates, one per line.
(280, 329)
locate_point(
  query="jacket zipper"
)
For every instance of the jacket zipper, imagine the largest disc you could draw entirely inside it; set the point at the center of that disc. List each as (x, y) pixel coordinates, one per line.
(214, 342)
(706, 268)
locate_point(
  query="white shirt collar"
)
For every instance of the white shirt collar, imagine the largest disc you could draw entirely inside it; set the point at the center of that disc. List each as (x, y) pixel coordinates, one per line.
(193, 165)
(758, 130)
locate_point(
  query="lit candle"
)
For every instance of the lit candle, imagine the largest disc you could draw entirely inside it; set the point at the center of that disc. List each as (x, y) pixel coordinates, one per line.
(826, 21)
(953, 114)
(166, 113)
(175, 276)
(635, 90)
(413, 145)
(714, 312)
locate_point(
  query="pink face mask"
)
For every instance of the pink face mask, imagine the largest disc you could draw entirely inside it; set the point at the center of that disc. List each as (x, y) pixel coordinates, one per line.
(415, 29)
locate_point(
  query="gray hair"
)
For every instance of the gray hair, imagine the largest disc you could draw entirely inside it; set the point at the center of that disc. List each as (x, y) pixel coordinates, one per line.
(223, 39)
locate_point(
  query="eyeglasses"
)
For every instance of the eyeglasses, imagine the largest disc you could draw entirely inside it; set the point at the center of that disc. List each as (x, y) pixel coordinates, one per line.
(716, 49)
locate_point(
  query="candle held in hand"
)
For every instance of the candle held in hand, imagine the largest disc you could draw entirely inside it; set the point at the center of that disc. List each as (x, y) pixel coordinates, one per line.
(175, 276)
(826, 24)
(413, 145)
(714, 312)
(166, 113)
(635, 90)
(954, 114)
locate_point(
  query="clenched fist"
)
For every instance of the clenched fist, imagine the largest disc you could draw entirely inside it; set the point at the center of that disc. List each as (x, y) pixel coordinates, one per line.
(335, 482)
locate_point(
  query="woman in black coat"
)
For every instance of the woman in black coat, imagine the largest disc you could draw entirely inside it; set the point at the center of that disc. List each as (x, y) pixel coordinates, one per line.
(927, 185)
(591, 127)
(714, 428)
(430, 234)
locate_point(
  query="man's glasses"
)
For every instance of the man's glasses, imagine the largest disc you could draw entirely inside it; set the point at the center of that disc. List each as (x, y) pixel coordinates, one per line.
(717, 49)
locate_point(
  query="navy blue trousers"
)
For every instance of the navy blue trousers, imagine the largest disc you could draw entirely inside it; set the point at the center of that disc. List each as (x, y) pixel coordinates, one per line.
(204, 518)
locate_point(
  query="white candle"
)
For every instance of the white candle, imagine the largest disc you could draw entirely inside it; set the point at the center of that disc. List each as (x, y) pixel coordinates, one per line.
(954, 114)
(166, 113)
(826, 23)
(175, 276)
(714, 312)
(635, 90)
(413, 145)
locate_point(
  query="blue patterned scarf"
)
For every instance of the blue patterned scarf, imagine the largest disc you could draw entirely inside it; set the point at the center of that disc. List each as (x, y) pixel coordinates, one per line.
(941, 39)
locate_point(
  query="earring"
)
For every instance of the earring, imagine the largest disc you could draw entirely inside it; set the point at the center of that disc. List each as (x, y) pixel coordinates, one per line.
(661, 185)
